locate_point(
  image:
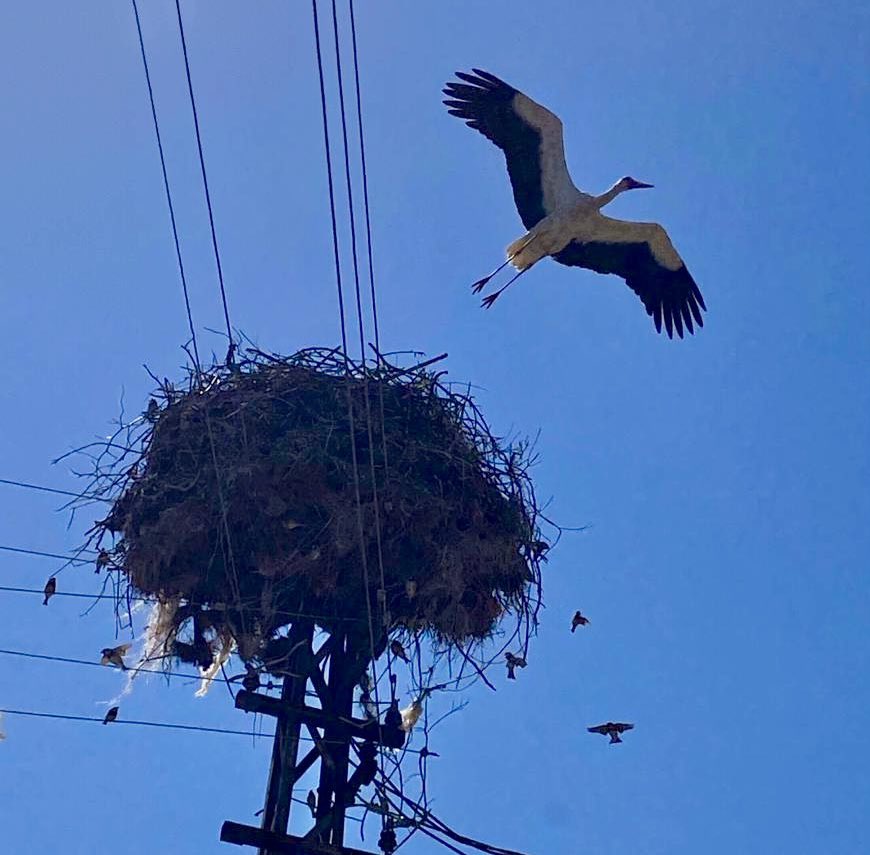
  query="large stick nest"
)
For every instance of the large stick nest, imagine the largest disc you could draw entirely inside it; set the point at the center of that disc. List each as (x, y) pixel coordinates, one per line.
(275, 489)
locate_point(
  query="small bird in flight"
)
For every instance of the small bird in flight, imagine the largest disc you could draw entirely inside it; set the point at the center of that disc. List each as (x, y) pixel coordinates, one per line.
(50, 588)
(115, 656)
(111, 715)
(564, 222)
(513, 662)
(398, 651)
(578, 620)
(611, 729)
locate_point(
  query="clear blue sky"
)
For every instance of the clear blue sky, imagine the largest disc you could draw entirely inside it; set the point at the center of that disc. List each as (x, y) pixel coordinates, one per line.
(724, 477)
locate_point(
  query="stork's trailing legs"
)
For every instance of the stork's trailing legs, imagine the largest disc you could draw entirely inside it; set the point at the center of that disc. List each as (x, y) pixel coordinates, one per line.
(488, 301)
(478, 286)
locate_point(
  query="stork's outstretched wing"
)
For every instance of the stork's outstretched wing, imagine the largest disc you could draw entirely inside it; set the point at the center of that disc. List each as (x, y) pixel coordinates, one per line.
(529, 135)
(643, 255)
(603, 729)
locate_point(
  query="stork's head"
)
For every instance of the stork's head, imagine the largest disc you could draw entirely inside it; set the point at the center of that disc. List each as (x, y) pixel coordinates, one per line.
(629, 183)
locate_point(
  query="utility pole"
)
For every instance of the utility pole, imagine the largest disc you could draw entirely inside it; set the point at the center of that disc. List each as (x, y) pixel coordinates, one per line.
(332, 671)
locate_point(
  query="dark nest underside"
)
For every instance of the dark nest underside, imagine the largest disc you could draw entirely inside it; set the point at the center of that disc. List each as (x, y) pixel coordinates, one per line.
(248, 508)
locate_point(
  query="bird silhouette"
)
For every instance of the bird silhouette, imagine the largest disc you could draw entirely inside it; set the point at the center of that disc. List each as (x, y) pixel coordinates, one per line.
(111, 715)
(513, 662)
(311, 801)
(115, 655)
(251, 680)
(103, 560)
(398, 651)
(578, 620)
(50, 588)
(393, 718)
(368, 706)
(611, 729)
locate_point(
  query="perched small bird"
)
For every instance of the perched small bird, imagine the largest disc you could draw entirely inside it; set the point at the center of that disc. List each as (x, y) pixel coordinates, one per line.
(153, 411)
(538, 549)
(50, 588)
(368, 706)
(513, 662)
(578, 620)
(411, 589)
(365, 682)
(251, 680)
(311, 800)
(425, 752)
(115, 655)
(103, 560)
(398, 651)
(387, 841)
(611, 729)
(393, 718)
(111, 715)
(411, 714)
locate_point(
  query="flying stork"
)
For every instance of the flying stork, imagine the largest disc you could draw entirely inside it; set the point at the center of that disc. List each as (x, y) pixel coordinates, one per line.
(564, 222)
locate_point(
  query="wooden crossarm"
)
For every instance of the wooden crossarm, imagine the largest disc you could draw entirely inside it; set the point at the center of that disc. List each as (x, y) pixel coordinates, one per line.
(286, 844)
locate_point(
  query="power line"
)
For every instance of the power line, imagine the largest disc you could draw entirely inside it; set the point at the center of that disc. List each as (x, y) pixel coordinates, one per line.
(135, 670)
(365, 182)
(214, 241)
(69, 558)
(326, 146)
(164, 724)
(145, 599)
(166, 187)
(365, 185)
(67, 660)
(348, 182)
(357, 290)
(42, 489)
(336, 256)
(9, 589)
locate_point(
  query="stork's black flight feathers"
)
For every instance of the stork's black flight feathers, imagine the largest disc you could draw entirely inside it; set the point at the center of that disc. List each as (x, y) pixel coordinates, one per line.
(669, 295)
(529, 135)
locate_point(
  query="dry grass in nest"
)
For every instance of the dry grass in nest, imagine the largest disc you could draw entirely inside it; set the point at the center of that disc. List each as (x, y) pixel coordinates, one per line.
(246, 503)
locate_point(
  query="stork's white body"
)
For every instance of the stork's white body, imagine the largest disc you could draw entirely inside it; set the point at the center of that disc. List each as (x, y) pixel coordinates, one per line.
(584, 221)
(564, 222)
